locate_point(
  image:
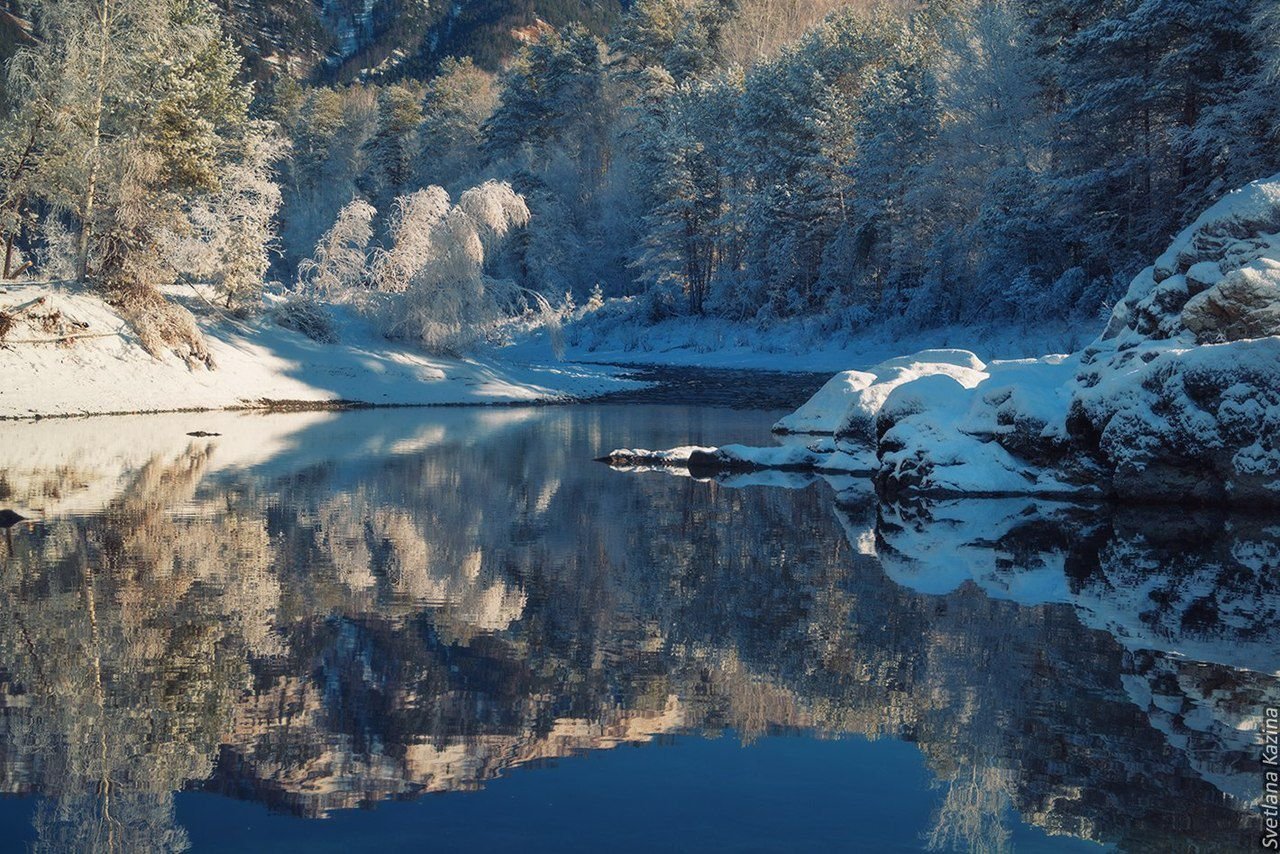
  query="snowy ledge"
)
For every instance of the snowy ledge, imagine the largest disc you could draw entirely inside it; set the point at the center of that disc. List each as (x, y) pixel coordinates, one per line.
(71, 354)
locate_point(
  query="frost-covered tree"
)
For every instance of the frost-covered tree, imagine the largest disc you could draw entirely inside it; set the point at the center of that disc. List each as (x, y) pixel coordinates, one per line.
(684, 172)
(392, 150)
(436, 266)
(232, 229)
(412, 239)
(328, 167)
(982, 181)
(133, 104)
(133, 99)
(339, 268)
(459, 100)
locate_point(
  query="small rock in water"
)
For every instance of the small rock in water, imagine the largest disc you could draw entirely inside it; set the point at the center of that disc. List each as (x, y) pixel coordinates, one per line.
(200, 434)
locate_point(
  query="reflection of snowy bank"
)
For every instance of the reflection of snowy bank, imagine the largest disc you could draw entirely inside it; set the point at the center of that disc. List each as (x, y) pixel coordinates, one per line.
(79, 465)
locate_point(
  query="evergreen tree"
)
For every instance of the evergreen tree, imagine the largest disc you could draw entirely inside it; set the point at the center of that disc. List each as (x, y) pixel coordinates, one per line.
(392, 150)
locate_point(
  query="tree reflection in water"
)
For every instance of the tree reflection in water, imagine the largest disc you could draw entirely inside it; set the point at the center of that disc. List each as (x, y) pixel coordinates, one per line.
(381, 605)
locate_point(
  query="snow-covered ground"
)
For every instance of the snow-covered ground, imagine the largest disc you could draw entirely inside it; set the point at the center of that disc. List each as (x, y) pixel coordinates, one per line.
(612, 336)
(257, 364)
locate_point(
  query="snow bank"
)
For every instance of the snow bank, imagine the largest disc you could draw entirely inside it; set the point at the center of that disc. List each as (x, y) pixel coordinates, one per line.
(257, 364)
(1177, 401)
(847, 404)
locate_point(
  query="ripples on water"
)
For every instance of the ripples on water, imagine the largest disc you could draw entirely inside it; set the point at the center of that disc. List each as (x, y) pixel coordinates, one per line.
(318, 612)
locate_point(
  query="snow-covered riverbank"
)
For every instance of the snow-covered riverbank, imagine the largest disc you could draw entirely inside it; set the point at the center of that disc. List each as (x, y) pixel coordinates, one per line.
(1178, 400)
(89, 362)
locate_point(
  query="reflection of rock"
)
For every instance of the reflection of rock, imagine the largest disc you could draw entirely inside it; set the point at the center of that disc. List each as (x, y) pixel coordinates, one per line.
(1201, 585)
(1210, 714)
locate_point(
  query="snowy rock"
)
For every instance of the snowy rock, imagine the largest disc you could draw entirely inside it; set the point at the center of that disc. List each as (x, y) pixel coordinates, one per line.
(824, 411)
(1177, 401)
(1230, 230)
(1244, 304)
(822, 457)
(847, 405)
(633, 457)
(1180, 397)
(1200, 424)
(858, 422)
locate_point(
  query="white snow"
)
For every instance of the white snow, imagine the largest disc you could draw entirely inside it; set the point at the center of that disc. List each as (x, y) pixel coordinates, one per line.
(823, 412)
(782, 346)
(256, 362)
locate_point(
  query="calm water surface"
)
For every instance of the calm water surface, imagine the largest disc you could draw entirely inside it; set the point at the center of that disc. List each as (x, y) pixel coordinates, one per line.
(450, 630)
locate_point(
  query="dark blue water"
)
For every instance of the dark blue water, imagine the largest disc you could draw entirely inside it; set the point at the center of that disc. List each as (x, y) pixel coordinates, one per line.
(449, 630)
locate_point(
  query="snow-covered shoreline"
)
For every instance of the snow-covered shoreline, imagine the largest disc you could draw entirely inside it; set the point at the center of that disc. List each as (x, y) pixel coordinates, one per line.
(258, 365)
(1177, 401)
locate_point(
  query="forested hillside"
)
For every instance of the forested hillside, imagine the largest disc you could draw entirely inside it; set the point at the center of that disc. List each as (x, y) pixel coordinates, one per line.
(340, 40)
(850, 164)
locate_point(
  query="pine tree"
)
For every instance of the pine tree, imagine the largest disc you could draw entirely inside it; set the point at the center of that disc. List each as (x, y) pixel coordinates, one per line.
(459, 100)
(393, 148)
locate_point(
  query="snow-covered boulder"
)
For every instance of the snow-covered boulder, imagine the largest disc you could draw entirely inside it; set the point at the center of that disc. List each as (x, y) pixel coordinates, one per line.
(847, 405)
(816, 456)
(823, 412)
(1005, 436)
(859, 421)
(1243, 304)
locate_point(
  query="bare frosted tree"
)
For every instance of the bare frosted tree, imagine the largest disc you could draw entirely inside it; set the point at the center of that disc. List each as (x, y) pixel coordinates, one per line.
(412, 226)
(231, 231)
(762, 27)
(339, 267)
(436, 262)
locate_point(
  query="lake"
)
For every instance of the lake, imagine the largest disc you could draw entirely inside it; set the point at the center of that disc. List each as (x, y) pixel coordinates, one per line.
(450, 629)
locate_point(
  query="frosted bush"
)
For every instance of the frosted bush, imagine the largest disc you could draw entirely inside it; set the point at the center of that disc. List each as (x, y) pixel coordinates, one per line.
(303, 313)
(435, 266)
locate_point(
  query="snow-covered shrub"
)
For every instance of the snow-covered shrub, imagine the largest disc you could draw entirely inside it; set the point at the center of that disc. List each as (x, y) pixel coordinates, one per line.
(306, 314)
(161, 326)
(663, 301)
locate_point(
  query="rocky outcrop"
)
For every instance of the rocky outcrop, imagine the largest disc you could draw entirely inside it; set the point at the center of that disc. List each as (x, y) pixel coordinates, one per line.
(1180, 396)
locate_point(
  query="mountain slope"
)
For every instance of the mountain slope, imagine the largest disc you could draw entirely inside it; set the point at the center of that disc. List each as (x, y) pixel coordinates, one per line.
(345, 39)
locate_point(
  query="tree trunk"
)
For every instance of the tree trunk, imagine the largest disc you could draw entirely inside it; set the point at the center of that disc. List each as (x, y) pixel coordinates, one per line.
(104, 12)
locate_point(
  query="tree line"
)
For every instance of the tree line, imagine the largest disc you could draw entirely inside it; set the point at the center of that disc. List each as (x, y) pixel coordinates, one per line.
(848, 163)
